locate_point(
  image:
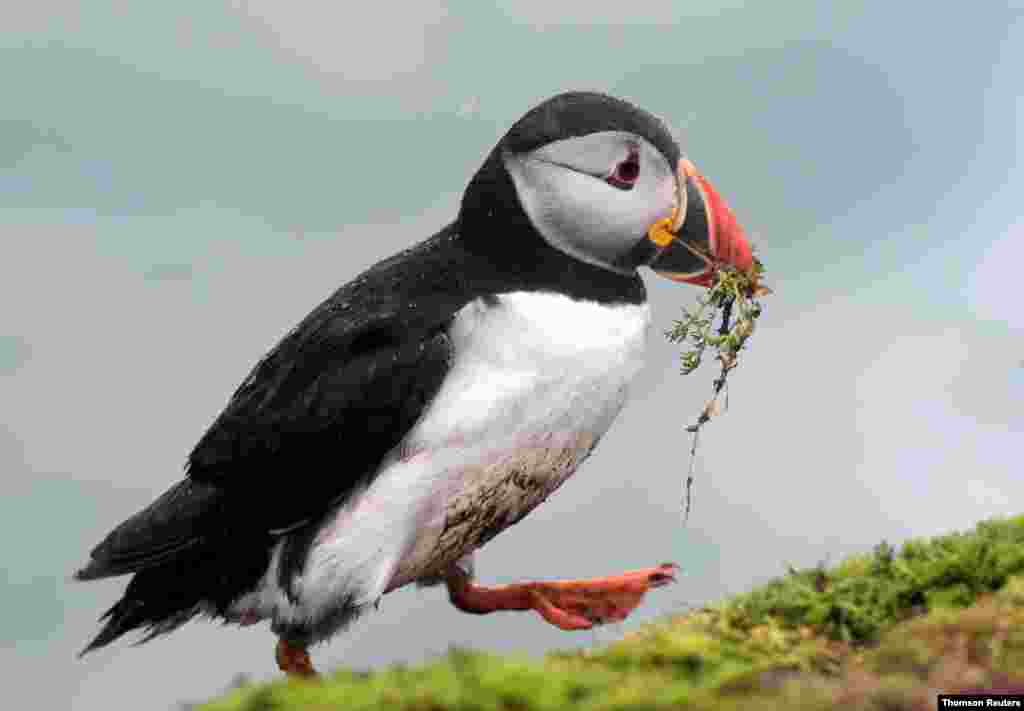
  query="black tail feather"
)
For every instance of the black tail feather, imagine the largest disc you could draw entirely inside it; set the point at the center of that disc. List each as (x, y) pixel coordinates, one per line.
(130, 613)
(121, 618)
(181, 558)
(204, 579)
(162, 532)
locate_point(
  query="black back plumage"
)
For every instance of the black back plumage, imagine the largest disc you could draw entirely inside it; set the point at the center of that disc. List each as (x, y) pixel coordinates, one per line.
(307, 426)
(314, 418)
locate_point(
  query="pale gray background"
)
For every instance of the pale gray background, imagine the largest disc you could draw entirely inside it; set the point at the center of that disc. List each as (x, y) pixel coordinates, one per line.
(181, 182)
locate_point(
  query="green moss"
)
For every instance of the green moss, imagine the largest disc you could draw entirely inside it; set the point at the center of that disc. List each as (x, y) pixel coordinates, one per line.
(882, 630)
(862, 596)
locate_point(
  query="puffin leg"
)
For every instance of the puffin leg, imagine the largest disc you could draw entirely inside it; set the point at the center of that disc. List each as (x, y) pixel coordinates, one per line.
(293, 659)
(568, 604)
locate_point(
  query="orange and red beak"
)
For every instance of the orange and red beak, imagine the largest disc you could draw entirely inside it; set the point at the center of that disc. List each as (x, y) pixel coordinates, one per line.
(708, 234)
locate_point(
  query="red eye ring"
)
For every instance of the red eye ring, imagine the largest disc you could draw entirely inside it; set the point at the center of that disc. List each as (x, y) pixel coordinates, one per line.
(626, 173)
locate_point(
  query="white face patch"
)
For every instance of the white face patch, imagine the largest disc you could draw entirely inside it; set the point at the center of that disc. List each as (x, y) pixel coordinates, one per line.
(563, 190)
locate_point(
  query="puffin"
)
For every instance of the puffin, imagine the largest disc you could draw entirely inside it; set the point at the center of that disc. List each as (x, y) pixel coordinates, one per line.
(436, 399)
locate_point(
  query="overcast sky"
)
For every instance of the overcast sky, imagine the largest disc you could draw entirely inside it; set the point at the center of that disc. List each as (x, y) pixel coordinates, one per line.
(181, 182)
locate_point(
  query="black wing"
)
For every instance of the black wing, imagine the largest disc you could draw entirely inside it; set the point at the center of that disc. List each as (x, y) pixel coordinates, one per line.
(312, 420)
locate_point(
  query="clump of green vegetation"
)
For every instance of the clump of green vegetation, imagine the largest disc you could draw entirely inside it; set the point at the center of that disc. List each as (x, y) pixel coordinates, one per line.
(858, 599)
(733, 300)
(732, 290)
(882, 630)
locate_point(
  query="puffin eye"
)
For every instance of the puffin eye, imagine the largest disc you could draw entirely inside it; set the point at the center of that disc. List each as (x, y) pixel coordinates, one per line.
(626, 173)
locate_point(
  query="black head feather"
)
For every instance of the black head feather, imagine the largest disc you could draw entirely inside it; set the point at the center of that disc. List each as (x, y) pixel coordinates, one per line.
(579, 113)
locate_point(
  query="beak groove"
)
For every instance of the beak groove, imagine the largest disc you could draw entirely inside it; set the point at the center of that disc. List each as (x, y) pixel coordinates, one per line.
(709, 235)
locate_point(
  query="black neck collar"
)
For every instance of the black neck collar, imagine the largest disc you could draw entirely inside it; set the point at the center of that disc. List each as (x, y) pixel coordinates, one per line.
(508, 253)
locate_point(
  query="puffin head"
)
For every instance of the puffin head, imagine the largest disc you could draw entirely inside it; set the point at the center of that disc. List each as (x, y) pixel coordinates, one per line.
(606, 183)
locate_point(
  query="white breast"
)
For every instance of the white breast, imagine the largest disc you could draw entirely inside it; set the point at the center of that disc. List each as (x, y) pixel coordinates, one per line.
(534, 362)
(536, 380)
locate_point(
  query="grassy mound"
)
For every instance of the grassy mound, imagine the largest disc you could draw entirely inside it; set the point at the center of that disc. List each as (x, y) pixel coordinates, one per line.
(879, 631)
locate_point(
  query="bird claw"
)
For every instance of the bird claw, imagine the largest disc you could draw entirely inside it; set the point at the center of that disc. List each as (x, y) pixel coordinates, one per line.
(663, 574)
(581, 604)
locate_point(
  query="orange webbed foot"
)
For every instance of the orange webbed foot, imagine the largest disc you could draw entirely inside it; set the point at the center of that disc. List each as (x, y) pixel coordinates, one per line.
(566, 604)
